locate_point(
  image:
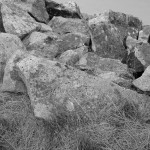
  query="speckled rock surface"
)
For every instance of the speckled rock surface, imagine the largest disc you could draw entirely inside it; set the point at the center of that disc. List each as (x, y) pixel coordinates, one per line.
(9, 44)
(17, 21)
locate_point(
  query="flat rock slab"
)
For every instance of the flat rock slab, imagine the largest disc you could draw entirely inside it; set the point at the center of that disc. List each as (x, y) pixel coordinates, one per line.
(68, 25)
(100, 65)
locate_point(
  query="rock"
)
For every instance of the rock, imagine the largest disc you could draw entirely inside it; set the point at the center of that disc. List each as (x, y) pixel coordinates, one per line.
(45, 27)
(9, 44)
(143, 83)
(134, 64)
(39, 11)
(11, 81)
(143, 54)
(36, 8)
(109, 31)
(144, 35)
(131, 43)
(66, 10)
(106, 38)
(50, 46)
(42, 44)
(72, 41)
(17, 21)
(104, 66)
(138, 58)
(62, 25)
(118, 19)
(71, 57)
(38, 74)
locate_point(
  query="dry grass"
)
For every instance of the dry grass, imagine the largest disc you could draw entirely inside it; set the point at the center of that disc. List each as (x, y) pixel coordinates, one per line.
(124, 128)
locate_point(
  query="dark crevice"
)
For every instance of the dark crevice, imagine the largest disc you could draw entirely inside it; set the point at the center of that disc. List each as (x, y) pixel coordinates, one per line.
(35, 18)
(24, 36)
(90, 46)
(124, 42)
(137, 36)
(2, 29)
(138, 74)
(148, 41)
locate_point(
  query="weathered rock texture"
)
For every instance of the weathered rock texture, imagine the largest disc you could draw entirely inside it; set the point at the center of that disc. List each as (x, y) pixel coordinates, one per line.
(109, 31)
(67, 82)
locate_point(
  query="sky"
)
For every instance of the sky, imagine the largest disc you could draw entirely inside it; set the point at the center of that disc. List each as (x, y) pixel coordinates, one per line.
(137, 8)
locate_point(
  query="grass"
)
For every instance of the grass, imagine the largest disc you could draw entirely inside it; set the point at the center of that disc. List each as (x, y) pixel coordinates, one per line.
(123, 128)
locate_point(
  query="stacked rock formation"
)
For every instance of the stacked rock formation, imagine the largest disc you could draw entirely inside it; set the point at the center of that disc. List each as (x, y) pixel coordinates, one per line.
(72, 83)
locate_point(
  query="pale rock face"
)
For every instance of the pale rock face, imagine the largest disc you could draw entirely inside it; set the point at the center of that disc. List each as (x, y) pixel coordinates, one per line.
(17, 21)
(143, 83)
(68, 25)
(9, 44)
(131, 42)
(144, 35)
(35, 7)
(11, 80)
(37, 74)
(71, 5)
(45, 27)
(69, 57)
(43, 111)
(104, 17)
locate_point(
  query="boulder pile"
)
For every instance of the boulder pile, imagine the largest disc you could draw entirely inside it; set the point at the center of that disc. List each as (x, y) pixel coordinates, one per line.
(70, 82)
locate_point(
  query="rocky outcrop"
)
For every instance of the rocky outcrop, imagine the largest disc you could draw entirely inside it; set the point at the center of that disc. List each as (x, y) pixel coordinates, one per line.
(68, 83)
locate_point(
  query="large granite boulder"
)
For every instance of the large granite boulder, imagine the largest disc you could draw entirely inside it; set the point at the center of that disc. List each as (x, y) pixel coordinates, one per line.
(67, 9)
(110, 29)
(106, 38)
(9, 44)
(36, 8)
(17, 21)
